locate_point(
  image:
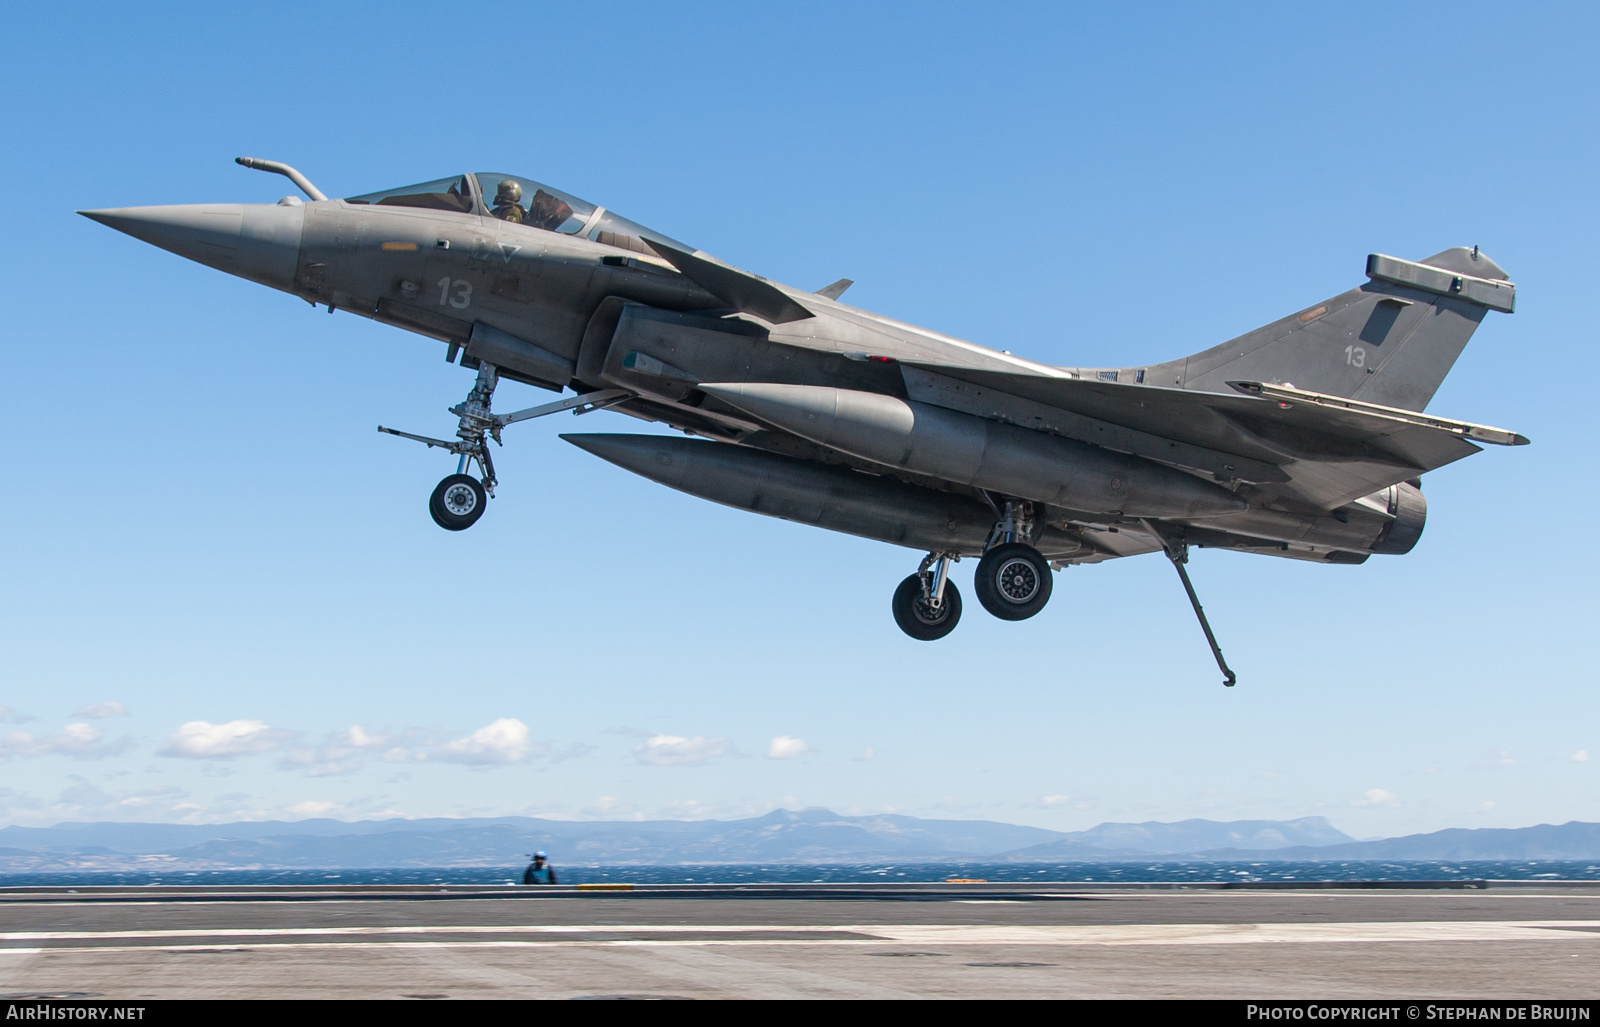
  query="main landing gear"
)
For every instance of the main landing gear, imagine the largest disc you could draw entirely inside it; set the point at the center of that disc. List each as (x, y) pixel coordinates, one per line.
(927, 606)
(460, 499)
(1013, 580)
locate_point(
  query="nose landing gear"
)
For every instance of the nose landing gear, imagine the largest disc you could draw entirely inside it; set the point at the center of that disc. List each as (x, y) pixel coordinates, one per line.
(460, 499)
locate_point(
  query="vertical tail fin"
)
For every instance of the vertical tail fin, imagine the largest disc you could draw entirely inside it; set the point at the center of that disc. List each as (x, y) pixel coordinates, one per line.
(1390, 341)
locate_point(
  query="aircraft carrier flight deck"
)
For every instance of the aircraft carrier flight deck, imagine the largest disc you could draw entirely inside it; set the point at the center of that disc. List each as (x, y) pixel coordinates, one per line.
(1536, 940)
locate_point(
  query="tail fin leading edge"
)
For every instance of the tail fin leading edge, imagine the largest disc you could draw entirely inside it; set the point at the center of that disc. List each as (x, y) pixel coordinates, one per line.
(1390, 341)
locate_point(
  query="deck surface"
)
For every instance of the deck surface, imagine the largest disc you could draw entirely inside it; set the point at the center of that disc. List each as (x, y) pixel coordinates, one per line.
(928, 941)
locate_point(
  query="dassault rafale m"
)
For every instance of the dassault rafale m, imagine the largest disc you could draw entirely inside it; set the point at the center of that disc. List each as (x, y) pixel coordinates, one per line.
(1303, 439)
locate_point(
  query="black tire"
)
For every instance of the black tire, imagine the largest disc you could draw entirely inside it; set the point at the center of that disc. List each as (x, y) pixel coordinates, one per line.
(457, 502)
(914, 616)
(1013, 581)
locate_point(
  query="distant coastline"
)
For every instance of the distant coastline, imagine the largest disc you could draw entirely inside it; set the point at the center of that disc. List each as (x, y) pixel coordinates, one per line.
(1461, 873)
(782, 838)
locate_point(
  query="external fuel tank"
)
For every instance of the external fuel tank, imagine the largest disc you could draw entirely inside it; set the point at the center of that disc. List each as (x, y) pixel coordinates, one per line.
(979, 452)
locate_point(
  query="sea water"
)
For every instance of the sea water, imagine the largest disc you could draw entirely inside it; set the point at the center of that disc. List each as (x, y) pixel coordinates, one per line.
(1153, 871)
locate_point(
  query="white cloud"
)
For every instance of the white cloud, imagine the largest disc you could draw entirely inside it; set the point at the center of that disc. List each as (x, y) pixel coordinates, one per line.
(339, 754)
(1377, 797)
(611, 806)
(203, 740)
(235, 806)
(785, 748)
(80, 741)
(82, 798)
(358, 737)
(867, 754)
(504, 741)
(676, 751)
(1581, 756)
(101, 710)
(690, 809)
(1055, 802)
(9, 714)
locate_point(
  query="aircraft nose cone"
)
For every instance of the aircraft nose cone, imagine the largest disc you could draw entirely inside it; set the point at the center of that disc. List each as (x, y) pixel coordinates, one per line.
(254, 241)
(208, 233)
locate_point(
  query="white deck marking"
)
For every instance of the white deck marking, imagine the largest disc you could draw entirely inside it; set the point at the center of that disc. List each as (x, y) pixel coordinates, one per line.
(1569, 931)
(1247, 934)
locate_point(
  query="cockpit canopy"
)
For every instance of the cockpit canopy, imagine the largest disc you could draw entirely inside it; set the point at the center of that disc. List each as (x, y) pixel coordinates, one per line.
(454, 194)
(520, 201)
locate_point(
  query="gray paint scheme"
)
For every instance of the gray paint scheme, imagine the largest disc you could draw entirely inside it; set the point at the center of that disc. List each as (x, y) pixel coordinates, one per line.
(925, 433)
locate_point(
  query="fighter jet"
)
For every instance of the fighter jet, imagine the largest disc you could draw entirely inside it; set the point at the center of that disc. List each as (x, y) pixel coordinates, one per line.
(1303, 439)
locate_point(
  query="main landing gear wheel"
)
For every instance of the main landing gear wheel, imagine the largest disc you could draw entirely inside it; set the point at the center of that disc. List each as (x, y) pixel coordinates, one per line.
(918, 618)
(458, 502)
(1013, 581)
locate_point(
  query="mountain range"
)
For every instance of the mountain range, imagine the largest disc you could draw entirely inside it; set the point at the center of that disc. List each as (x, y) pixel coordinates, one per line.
(783, 836)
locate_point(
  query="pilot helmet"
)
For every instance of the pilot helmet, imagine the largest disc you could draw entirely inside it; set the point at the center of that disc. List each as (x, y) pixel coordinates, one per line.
(539, 855)
(507, 192)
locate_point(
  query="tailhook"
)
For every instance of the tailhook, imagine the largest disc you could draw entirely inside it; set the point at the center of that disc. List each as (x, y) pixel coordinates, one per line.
(1178, 553)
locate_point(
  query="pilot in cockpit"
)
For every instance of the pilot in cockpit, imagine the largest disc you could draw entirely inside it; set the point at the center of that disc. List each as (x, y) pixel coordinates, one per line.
(507, 206)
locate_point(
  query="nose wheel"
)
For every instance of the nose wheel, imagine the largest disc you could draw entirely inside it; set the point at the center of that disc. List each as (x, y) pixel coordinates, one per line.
(457, 502)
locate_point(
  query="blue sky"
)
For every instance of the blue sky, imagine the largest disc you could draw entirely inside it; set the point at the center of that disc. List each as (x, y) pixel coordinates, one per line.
(203, 528)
